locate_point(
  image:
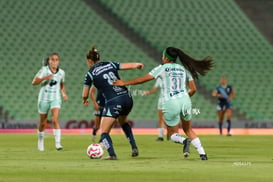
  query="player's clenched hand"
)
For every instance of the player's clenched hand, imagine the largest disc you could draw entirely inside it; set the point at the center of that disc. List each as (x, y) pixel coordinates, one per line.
(85, 102)
(65, 97)
(48, 77)
(140, 66)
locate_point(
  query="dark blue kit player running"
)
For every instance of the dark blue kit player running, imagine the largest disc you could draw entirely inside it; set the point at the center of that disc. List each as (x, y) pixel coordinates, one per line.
(225, 94)
(118, 101)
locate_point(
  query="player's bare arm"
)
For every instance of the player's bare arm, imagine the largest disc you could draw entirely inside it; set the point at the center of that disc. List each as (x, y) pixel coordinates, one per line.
(135, 81)
(37, 80)
(127, 66)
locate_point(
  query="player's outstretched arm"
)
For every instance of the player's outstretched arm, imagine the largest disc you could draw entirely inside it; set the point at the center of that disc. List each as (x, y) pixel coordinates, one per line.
(128, 66)
(151, 91)
(135, 81)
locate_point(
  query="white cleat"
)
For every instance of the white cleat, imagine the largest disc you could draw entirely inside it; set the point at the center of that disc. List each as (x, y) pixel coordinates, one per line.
(59, 147)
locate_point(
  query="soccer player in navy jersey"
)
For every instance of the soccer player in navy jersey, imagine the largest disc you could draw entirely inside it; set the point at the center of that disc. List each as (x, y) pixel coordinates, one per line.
(118, 101)
(225, 94)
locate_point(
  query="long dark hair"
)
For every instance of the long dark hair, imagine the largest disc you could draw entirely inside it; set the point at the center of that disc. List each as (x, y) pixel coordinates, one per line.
(194, 66)
(93, 54)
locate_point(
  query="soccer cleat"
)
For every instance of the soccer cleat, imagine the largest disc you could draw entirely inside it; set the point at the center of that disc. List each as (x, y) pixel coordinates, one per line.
(203, 157)
(159, 139)
(186, 147)
(113, 157)
(134, 152)
(40, 147)
(229, 134)
(59, 147)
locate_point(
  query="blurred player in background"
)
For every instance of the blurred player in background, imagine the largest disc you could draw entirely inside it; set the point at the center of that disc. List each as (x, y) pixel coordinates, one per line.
(98, 105)
(161, 124)
(118, 101)
(225, 94)
(176, 104)
(52, 91)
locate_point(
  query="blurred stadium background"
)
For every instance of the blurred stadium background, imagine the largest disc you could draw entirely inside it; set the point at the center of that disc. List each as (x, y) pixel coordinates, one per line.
(236, 33)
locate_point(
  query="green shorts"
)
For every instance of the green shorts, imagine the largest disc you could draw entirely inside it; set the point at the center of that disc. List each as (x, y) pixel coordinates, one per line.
(175, 109)
(44, 106)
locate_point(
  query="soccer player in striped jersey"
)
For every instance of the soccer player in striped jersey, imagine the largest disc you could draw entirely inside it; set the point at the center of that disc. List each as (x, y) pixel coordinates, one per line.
(52, 91)
(225, 94)
(118, 101)
(176, 98)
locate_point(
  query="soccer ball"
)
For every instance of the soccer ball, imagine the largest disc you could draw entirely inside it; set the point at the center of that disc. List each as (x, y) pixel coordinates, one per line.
(94, 151)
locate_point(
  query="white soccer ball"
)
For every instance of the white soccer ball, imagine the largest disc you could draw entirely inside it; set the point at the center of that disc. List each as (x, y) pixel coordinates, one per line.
(94, 151)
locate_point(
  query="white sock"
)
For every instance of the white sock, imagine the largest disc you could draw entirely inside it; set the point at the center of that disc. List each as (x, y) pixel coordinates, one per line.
(177, 138)
(57, 135)
(41, 135)
(198, 146)
(160, 132)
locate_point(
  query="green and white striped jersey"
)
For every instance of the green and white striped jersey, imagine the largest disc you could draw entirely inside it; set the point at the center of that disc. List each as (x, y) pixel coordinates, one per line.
(173, 78)
(50, 89)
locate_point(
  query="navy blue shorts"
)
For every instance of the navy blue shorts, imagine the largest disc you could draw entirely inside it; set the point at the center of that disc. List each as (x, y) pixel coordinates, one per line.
(223, 106)
(99, 112)
(119, 106)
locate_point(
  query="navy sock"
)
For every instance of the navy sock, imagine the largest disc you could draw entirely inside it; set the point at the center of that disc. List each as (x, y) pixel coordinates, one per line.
(129, 134)
(220, 127)
(107, 141)
(229, 125)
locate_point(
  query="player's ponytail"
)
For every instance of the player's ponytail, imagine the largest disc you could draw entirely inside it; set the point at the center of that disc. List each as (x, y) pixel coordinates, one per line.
(93, 54)
(194, 66)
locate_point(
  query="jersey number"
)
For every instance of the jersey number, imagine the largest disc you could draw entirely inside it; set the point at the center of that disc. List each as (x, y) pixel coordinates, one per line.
(176, 83)
(110, 77)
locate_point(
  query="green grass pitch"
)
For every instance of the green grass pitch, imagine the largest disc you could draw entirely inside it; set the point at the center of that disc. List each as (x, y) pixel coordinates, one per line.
(231, 159)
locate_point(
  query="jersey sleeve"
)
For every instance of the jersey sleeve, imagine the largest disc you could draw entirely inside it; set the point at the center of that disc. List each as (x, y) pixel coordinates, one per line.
(156, 71)
(231, 89)
(88, 80)
(217, 89)
(41, 73)
(188, 76)
(116, 65)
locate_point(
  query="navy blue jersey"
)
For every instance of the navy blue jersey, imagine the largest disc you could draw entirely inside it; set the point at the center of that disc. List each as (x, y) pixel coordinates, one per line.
(223, 102)
(225, 92)
(100, 99)
(101, 75)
